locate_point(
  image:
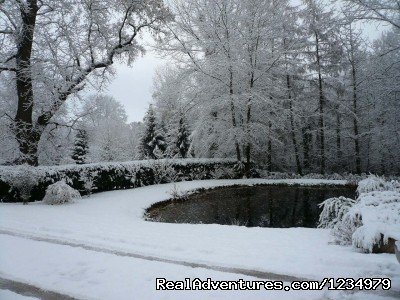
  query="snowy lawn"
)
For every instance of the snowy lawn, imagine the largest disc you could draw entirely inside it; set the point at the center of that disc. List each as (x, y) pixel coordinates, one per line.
(114, 220)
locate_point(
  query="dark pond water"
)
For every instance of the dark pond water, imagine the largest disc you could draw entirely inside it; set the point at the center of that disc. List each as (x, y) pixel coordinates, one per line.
(256, 206)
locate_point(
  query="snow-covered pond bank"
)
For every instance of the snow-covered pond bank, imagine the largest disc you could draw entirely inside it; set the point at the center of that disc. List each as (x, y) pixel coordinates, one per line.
(114, 220)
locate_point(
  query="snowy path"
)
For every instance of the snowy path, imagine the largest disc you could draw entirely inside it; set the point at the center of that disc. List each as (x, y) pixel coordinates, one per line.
(252, 273)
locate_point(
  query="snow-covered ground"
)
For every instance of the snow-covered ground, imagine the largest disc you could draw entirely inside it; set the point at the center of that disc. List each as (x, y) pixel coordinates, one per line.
(113, 221)
(5, 294)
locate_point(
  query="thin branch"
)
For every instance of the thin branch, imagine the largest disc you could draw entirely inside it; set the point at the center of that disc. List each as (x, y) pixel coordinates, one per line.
(8, 69)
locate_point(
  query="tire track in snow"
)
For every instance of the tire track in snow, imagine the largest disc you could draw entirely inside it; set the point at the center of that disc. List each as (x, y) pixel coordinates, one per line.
(240, 271)
(29, 290)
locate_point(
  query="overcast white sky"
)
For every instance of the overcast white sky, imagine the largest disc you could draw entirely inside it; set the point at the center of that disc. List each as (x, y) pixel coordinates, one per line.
(132, 86)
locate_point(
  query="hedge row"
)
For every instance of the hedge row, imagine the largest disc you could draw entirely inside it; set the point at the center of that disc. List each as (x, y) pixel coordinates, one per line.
(28, 184)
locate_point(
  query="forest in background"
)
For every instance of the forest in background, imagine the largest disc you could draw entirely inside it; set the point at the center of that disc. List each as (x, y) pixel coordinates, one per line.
(290, 88)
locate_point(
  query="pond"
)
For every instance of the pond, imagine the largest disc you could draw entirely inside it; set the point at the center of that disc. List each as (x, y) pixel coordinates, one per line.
(251, 206)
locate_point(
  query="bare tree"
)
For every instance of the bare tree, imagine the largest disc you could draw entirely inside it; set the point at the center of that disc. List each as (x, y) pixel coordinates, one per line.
(55, 48)
(323, 42)
(387, 11)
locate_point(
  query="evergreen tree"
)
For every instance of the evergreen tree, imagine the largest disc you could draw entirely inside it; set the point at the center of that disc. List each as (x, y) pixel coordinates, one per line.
(159, 144)
(80, 150)
(152, 143)
(180, 137)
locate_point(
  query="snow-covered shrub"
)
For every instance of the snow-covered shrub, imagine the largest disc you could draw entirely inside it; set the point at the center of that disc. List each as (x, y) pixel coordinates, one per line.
(16, 181)
(164, 173)
(201, 173)
(343, 231)
(333, 211)
(370, 221)
(19, 181)
(380, 212)
(88, 181)
(59, 193)
(25, 182)
(222, 172)
(394, 185)
(375, 183)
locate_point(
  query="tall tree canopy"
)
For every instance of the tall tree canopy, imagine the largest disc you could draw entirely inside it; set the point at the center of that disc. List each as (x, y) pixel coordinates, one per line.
(51, 49)
(294, 88)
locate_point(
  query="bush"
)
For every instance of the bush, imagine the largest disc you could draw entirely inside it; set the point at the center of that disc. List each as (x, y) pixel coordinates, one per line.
(370, 221)
(60, 193)
(372, 183)
(334, 209)
(379, 213)
(343, 231)
(23, 183)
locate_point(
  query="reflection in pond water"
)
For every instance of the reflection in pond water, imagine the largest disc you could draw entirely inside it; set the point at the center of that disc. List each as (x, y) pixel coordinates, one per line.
(251, 206)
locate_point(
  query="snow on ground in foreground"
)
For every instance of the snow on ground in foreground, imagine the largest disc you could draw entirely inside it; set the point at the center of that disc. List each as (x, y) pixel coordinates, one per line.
(8, 295)
(114, 220)
(91, 275)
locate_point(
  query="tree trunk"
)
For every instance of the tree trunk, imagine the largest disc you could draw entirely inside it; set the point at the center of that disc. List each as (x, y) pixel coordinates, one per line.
(355, 126)
(339, 150)
(248, 121)
(234, 123)
(293, 133)
(25, 132)
(269, 156)
(321, 108)
(232, 106)
(306, 146)
(355, 104)
(338, 137)
(248, 145)
(368, 150)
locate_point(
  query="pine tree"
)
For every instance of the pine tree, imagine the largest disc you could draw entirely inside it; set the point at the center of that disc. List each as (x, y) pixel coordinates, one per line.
(152, 144)
(80, 150)
(159, 144)
(181, 138)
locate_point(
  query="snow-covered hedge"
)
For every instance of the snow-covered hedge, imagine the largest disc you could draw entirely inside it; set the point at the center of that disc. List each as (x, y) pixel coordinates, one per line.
(369, 223)
(60, 193)
(375, 183)
(24, 183)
